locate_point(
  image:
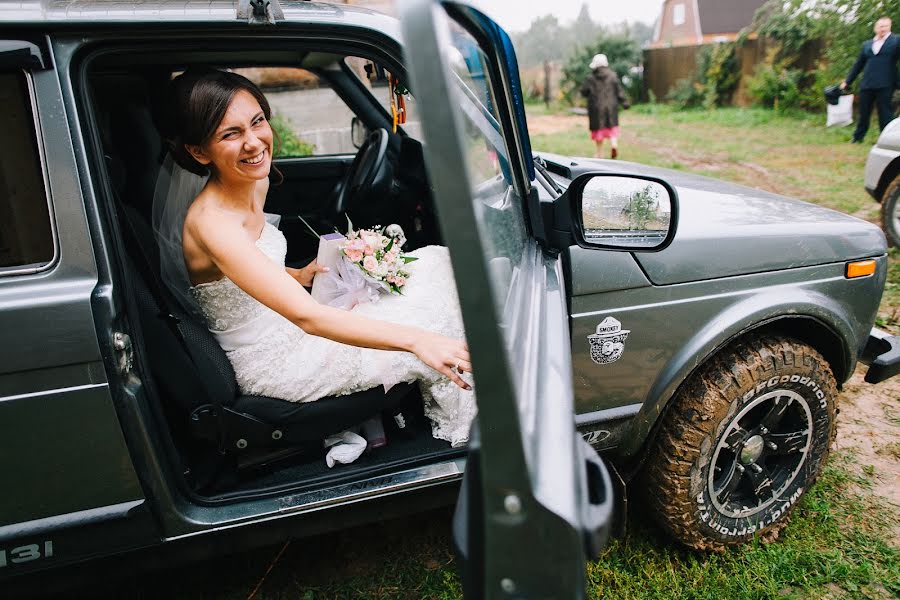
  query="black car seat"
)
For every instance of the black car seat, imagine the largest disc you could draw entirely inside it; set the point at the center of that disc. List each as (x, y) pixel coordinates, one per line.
(196, 379)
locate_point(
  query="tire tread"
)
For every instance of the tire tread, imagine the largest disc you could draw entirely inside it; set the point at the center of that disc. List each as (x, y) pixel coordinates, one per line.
(680, 442)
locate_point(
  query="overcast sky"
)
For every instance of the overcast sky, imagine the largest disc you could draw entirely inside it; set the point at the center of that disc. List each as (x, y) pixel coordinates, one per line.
(517, 15)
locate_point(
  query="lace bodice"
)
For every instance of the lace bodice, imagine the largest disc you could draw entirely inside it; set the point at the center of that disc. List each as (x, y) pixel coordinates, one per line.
(224, 304)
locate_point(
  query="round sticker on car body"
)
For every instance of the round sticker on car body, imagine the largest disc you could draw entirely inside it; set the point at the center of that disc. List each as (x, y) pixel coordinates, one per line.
(608, 343)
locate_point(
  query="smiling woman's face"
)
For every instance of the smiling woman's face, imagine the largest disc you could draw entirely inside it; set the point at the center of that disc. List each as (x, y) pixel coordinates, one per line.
(240, 149)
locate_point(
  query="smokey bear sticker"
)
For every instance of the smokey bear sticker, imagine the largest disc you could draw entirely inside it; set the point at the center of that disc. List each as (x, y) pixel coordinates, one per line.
(608, 343)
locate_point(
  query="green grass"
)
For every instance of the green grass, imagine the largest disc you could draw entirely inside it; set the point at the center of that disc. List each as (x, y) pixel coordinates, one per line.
(791, 154)
(834, 547)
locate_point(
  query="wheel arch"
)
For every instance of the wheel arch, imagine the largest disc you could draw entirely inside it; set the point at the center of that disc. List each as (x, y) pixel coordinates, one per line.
(891, 172)
(816, 320)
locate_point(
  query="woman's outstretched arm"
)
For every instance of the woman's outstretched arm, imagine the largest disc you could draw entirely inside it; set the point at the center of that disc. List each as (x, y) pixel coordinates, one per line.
(224, 240)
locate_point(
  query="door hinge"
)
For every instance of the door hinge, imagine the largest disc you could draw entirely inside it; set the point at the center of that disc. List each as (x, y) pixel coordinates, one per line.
(260, 12)
(124, 351)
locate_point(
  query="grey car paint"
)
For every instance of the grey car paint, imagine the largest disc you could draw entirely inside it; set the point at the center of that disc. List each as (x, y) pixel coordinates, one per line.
(729, 270)
(883, 162)
(530, 458)
(764, 232)
(52, 383)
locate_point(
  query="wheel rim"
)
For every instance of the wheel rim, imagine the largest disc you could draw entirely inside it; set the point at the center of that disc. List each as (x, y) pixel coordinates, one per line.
(760, 453)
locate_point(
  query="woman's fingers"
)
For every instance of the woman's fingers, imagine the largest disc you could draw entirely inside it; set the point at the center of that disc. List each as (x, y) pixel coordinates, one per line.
(451, 374)
(463, 366)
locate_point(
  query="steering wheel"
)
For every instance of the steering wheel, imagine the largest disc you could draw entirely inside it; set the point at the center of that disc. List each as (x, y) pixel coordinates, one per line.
(368, 177)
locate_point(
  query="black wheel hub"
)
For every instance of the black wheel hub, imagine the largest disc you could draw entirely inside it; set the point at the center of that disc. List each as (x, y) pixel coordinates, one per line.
(760, 453)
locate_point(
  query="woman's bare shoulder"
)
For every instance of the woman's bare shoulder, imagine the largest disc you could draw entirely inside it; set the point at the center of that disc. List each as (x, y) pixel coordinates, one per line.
(205, 219)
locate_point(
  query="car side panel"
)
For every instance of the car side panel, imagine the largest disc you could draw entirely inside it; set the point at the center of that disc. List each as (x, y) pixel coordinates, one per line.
(883, 162)
(881, 167)
(62, 450)
(673, 329)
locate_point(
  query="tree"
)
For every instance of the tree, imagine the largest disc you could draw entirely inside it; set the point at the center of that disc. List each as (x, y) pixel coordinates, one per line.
(583, 28)
(622, 52)
(841, 25)
(544, 40)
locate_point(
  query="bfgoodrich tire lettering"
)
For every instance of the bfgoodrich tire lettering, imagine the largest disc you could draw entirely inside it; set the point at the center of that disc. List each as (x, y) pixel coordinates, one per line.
(890, 213)
(743, 441)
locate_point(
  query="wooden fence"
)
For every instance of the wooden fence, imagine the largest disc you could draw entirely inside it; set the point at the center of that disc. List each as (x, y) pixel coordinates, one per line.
(663, 67)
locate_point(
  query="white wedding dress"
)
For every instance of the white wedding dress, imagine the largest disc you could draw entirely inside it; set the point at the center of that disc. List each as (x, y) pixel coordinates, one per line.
(273, 357)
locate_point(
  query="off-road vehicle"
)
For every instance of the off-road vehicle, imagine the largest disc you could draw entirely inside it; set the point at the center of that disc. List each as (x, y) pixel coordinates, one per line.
(694, 332)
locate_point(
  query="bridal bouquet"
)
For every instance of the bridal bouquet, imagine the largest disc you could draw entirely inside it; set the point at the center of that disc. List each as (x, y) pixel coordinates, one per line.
(363, 265)
(377, 252)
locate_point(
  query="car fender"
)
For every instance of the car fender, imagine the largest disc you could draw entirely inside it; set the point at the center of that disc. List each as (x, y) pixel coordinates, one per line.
(770, 308)
(883, 162)
(882, 167)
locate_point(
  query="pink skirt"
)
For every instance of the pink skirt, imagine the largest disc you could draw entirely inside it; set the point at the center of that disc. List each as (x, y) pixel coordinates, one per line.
(601, 134)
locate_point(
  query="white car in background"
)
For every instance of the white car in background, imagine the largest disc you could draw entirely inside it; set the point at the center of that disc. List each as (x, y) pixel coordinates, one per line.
(883, 179)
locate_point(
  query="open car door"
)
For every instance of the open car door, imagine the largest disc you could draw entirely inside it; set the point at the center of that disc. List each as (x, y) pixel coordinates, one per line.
(536, 500)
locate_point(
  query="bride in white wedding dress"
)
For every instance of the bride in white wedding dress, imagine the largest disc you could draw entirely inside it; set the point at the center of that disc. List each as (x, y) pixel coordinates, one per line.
(281, 342)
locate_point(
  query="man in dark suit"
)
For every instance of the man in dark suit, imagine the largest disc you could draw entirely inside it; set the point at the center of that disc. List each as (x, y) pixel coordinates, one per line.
(878, 64)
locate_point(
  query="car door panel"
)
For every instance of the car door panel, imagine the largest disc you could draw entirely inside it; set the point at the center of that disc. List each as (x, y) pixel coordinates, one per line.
(63, 450)
(529, 487)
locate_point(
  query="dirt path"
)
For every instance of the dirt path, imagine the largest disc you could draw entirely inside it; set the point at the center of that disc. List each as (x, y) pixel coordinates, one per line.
(547, 124)
(869, 428)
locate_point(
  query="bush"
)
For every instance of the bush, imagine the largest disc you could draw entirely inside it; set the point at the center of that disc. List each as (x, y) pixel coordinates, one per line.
(719, 74)
(622, 52)
(776, 86)
(713, 82)
(686, 93)
(287, 143)
(841, 25)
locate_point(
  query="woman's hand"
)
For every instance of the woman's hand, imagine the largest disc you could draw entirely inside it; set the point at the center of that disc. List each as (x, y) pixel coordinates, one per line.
(306, 274)
(445, 355)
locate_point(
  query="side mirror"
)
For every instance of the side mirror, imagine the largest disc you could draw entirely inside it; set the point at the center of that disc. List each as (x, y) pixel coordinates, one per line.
(633, 213)
(358, 133)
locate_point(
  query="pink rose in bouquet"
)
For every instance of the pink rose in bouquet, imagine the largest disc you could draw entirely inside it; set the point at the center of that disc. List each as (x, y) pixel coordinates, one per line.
(377, 253)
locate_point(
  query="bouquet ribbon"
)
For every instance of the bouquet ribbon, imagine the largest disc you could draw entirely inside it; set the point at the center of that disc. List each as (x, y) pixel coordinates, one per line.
(346, 286)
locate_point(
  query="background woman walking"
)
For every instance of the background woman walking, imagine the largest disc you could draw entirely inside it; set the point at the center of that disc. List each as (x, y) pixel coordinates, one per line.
(604, 94)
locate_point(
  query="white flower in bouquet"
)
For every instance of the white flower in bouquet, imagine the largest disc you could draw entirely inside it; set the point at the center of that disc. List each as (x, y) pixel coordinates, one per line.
(377, 252)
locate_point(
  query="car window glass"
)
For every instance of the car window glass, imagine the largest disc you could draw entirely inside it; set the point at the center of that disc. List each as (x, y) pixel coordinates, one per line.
(308, 116)
(26, 238)
(497, 204)
(375, 78)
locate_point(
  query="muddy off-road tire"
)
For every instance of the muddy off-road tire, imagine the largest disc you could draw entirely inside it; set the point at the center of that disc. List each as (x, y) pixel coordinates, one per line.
(743, 441)
(890, 212)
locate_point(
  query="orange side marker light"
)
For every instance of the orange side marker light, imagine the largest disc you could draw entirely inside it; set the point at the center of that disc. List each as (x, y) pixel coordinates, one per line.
(860, 268)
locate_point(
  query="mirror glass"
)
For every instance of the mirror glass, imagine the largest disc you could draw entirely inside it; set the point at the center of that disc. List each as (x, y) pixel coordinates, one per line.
(626, 211)
(358, 132)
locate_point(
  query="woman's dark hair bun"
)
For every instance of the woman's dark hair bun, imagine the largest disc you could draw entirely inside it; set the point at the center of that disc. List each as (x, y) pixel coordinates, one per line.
(194, 105)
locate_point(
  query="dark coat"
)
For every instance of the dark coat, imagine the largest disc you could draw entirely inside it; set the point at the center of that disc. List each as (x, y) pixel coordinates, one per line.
(879, 70)
(604, 94)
